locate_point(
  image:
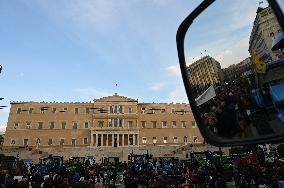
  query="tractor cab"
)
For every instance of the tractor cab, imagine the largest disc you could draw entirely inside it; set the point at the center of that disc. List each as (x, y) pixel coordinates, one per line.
(270, 95)
(50, 164)
(76, 163)
(8, 164)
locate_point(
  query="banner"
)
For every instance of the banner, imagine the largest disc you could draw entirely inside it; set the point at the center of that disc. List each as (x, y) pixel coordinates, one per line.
(206, 96)
(260, 65)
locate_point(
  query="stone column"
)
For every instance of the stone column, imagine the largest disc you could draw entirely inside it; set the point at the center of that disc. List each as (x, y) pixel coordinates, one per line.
(97, 139)
(138, 139)
(112, 140)
(117, 139)
(122, 142)
(107, 140)
(92, 139)
(134, 139)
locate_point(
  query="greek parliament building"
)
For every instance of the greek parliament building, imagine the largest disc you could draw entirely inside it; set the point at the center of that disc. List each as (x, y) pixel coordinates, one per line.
(113, 121)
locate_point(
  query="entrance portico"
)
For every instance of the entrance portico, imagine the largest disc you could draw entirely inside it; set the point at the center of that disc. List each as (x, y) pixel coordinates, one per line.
(114, 138)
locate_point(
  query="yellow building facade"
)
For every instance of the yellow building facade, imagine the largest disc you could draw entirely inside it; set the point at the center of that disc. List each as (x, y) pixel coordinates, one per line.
(113, 121)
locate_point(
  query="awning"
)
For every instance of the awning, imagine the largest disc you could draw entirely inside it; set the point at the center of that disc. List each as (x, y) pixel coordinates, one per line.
(27, 161)
(278, 42)
(90, 157)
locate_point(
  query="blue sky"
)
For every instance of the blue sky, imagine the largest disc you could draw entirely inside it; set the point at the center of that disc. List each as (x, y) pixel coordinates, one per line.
(63, 50)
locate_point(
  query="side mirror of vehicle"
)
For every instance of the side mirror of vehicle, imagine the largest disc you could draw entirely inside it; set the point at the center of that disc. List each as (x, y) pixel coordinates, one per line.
(233, 79)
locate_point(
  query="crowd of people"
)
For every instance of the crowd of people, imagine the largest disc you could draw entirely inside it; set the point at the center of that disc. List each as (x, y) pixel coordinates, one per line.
(229, 114)
(209, 170)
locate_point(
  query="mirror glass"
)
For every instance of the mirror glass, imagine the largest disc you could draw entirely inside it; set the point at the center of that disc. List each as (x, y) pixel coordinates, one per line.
(281, 5)
(236, 79)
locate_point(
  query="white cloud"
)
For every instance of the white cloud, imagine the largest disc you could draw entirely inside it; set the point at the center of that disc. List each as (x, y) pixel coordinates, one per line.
(234, 54)
(95, 13)
(221, 56)
(91, 93)
(4, 113)
(157, 86)
(174, 70)
(178, 95)
(191, 59)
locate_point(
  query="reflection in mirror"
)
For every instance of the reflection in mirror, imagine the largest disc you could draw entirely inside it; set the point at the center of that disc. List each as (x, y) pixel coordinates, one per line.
(237, 80)
(281, 5)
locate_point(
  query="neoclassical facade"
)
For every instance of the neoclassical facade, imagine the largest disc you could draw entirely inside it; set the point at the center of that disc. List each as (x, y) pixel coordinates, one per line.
(113, 121)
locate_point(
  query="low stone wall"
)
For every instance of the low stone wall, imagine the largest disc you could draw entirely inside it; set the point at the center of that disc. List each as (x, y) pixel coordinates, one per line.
(100, 152)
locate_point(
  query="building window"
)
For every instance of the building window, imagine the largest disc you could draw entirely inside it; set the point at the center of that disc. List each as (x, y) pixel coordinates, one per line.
(42, 109)
(86, 125)
(53, 110)
(143, 110)
(120, 122)
(130, 124)
(101, 124)
(164, 124)
(143, 124)
(13, 142)
(87, 110)
(19, 110)
(26, 142)
(115, 122)
(185, 139)
(73, 141)
(76, 110)
(115, 109)
(173, 110)
(40, 125)
(31, 110)
(154, 140)
(144, 140)
(29, 124)
(193, 123)
(174, 124)
(16, 125)
(175, 139)
(154, 124)
(85, 140)
(110, 123)
(111, 109)
(61, 142)
(63, 124)
(195, 139)
(131, 139)
(129, 110)
(183, 124)
(52, 125)
(75, 125)
(38, 141)
(120, 109)
(165, 139)
(49, 142)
